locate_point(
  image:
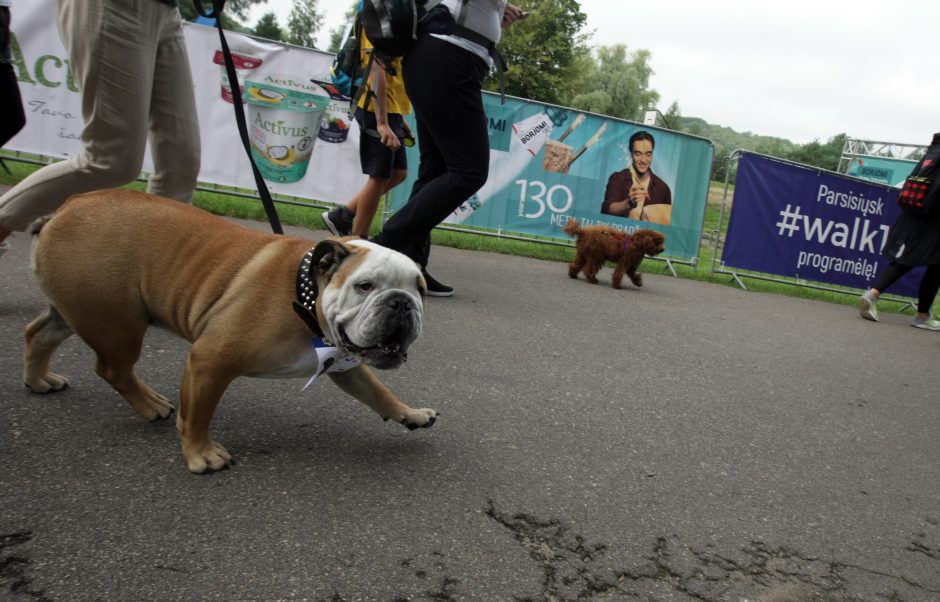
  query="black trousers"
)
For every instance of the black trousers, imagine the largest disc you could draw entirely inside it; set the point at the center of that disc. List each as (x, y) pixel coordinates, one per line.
(929, 284)
(12, 117)
(443, 83)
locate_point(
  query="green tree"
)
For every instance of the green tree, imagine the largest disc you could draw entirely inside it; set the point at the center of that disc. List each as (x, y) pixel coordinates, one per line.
(267, 27)
(338, 34)
(543, 52)
(720, 165)
(618, 84)
(673, 117)
(825, 156)
(774, 147)
(727, 140)
(303, 23)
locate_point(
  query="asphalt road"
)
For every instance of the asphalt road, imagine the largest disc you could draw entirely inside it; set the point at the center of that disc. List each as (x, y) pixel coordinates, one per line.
(684, 441)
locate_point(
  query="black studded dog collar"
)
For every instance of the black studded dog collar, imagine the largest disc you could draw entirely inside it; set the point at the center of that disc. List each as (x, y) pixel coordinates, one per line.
(307, 290)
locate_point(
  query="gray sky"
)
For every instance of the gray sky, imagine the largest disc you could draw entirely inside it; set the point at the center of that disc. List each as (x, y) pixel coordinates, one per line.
(799, 70)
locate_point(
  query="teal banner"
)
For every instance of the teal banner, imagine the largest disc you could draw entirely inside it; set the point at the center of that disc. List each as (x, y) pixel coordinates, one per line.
(549, 164)
(883, 170)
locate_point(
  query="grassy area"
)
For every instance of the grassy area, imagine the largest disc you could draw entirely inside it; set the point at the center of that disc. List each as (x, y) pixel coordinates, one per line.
(223, 202)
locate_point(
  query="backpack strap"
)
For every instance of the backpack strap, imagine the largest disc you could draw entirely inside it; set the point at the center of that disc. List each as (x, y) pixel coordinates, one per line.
(354, 101)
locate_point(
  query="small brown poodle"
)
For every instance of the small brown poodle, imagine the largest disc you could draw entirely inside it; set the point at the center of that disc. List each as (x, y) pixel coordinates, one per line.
(597, 244)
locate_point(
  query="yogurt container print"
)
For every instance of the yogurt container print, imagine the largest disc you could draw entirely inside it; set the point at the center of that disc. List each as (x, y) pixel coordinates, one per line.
(284, 115)
(244, 63)
(334, 126)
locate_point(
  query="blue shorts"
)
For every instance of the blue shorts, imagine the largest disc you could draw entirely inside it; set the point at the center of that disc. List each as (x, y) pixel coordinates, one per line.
(377, 159)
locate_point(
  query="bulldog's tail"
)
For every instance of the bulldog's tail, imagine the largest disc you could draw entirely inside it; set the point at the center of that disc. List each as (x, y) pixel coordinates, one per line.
(573, 228)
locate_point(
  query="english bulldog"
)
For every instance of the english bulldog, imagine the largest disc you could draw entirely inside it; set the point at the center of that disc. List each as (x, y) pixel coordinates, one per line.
(255, 304)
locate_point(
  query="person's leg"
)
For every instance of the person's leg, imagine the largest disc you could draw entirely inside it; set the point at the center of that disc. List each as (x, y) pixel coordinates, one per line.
(376, 161)
(12, 115)
(398, 176)
(388, 165)
(929, 285)
(111, 55)
(364, 204)
(174, 125)
(14, 118)
(431, 162)
(869, 299)
(11, 105)
(444, 83)
(888, 277)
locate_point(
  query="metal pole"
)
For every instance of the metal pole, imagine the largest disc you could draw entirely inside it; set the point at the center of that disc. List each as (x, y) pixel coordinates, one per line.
(734, 156)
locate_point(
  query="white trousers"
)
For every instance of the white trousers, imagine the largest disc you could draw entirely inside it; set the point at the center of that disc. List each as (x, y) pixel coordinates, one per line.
(128, 59)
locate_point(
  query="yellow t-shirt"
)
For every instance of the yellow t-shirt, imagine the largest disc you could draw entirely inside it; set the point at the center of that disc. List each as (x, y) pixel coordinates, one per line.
(397, 98)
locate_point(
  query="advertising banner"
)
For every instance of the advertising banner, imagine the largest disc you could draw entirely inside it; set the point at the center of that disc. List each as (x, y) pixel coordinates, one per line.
(546, 163)
(884, 170)
(301, 138)
(801, 222)
(549, 164)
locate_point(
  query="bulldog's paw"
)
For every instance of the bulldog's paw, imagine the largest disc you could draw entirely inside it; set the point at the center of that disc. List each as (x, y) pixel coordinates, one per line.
(636, 279)
(47, 383)
(209, 456)
(418, 418)
(152, 406)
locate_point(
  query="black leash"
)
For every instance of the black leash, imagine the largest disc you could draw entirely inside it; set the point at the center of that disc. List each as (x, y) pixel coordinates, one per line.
(263, 192)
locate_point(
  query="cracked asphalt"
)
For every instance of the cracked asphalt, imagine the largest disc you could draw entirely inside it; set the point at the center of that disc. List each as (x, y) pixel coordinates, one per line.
(684, 441)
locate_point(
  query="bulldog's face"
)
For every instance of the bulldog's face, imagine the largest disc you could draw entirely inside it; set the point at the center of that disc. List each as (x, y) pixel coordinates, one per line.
(371, 300)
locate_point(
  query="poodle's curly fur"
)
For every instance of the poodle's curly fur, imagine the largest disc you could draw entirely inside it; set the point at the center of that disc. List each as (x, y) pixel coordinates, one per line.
(597, 244)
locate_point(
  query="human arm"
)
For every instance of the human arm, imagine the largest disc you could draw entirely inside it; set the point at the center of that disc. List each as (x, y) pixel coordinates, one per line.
(380, 83)
(616, 196)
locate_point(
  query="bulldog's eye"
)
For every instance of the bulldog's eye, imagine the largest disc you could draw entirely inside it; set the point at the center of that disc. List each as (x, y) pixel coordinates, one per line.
(364, 288)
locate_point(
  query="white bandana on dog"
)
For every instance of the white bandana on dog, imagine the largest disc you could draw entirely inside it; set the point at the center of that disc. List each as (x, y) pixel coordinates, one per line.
(330, 359)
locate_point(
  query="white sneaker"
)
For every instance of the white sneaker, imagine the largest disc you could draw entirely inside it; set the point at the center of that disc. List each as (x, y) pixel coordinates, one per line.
(927, 323)
(866, 307)
(4, 246)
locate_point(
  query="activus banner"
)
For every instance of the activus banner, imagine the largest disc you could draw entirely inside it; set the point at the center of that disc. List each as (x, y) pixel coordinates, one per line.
(801, 222)
(549, 163)
(323, 165)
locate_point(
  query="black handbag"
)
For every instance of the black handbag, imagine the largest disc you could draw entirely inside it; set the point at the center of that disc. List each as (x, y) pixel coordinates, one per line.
(921, 191)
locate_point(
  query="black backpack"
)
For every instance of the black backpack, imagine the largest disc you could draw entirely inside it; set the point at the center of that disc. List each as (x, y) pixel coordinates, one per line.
(392, 25)
(921, 191)
(346, 72)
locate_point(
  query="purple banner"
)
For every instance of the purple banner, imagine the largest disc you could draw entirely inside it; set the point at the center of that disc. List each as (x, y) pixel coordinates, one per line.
(800, 222)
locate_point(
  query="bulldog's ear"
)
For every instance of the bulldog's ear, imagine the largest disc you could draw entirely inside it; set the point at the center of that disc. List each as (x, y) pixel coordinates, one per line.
(327, 256)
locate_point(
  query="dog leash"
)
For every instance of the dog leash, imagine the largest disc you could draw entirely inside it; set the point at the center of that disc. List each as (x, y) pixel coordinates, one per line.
(266, 200)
